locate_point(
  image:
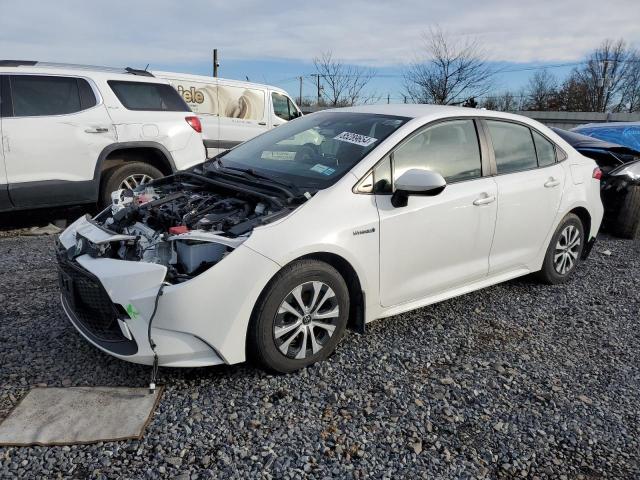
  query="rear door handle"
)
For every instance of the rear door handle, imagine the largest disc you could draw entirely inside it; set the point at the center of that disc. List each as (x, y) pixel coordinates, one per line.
(262, 123)
(552, 182)
(96, 130)
(484, 200)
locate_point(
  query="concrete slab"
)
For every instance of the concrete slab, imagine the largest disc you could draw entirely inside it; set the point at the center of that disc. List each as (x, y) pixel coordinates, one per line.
(77, 415)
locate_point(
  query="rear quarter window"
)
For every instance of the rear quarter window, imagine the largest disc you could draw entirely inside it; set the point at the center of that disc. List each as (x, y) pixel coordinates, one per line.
(152, 97)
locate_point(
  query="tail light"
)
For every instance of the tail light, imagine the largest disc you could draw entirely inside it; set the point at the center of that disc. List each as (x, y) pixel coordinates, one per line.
(194, 122)
(597, 173)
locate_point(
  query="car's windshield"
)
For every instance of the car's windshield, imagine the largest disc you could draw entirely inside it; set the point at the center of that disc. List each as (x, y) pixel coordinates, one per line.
(312, 152)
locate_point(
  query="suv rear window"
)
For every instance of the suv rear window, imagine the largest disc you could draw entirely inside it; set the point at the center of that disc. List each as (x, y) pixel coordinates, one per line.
(38, 95)
(154, 97)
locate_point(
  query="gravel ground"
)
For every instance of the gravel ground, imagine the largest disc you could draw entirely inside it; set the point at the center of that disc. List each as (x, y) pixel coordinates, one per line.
(518, 380)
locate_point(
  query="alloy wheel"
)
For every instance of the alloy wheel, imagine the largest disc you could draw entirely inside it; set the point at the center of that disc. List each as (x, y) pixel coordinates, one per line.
(135, 180)
(306, 320)
(567, 250)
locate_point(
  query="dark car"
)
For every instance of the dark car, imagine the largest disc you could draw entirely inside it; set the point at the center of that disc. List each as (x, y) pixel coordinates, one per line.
(620, 182)
(626, 134)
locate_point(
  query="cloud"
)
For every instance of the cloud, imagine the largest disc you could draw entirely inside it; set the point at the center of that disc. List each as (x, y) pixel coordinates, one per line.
(167, 32)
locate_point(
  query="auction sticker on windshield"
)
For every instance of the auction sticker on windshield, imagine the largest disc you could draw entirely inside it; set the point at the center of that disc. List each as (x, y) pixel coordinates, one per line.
(323, 169)
(356, 139)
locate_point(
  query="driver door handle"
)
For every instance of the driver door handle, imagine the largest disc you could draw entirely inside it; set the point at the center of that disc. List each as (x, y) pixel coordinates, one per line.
(96, 130)
(552, 182)
(484, 200)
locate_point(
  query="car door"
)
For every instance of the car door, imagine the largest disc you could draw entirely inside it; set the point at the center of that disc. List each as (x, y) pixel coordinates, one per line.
(284, 109)
(54, 133)
(5, 203)
(439, 242)
(530, 187)
(243, 114)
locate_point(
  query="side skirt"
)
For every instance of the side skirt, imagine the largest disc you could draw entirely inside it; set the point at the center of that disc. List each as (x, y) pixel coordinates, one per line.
(455, 292)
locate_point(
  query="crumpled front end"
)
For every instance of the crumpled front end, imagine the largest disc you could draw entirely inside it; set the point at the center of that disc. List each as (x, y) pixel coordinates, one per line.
(174, 259)
(110, 303)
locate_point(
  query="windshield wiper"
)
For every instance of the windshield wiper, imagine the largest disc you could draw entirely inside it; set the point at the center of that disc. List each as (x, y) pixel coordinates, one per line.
(249, 174)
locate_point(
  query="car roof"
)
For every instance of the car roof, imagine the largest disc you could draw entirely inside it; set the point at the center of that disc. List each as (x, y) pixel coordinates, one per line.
(206, 79)
(428, 111)
(53, 68)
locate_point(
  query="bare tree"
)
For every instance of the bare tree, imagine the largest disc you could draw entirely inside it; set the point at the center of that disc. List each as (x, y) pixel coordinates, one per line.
(448, 71)
(491, 102)
(343, 85)
(508, 102)
(630, 96)
(573, 96)
(603, 75)
(542, 91)
(505, 102)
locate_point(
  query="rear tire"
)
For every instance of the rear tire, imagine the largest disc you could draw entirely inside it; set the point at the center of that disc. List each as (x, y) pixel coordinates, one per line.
(627, 223)
(300, 317)
(564, 252)
(128, 173)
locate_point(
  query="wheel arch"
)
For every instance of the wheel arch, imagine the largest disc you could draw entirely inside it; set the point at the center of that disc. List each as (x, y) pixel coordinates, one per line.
(357, 302)
(153, 153)
(585, 217)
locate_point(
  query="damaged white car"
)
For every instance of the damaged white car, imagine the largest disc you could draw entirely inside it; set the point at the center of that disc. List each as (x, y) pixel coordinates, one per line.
(332, 220)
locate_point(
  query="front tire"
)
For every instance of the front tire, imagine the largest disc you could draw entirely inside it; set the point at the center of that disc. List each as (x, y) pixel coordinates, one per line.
(300, 317)
(564, 251)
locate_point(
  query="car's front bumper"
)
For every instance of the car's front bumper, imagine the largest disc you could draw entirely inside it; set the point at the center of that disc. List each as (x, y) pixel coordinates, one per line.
(199, 322)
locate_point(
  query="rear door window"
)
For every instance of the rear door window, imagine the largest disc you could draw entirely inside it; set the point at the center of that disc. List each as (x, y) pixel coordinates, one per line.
(152, 97)
(40, 95)
(513, 146)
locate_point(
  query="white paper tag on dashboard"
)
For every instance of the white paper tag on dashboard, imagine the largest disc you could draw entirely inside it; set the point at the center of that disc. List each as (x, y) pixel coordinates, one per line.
(356, 139)
(278, 155)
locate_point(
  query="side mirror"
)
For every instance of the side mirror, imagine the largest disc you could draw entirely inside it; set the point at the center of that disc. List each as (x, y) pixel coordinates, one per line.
(416, 182)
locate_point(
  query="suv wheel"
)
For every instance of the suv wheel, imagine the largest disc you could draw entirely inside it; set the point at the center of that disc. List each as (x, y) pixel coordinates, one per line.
(300, 318)
(128, 175)
(564, 251)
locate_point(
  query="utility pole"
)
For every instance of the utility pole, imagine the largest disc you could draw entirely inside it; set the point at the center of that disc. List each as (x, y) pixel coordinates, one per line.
(388, 99)
(300, 97)
(215, 62)
(603, 86)
(318, 76)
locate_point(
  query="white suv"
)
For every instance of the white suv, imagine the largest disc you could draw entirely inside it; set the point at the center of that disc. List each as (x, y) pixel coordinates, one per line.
(72, 134)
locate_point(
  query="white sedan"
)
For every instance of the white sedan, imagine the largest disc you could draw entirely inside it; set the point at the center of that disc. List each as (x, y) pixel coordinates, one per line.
(271, 250)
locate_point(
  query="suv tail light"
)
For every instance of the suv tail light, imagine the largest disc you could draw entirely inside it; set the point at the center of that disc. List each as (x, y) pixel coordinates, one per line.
(597, 173)
(194, 122)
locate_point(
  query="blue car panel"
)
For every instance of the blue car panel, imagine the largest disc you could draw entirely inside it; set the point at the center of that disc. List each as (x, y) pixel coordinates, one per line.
(624, 134)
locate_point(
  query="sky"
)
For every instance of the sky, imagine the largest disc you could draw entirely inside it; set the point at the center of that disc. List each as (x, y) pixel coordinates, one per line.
(275, 42)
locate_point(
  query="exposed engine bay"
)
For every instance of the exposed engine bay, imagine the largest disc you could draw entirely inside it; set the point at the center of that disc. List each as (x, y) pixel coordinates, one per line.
(182, 223)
